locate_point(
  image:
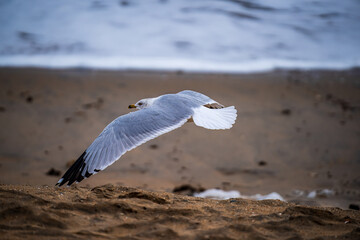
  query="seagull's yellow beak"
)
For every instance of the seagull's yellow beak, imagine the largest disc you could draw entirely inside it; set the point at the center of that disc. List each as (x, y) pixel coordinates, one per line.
(132, 106)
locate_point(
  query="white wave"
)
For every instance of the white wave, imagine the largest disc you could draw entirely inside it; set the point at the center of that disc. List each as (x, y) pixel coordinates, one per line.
(207, 35)
(174, 64)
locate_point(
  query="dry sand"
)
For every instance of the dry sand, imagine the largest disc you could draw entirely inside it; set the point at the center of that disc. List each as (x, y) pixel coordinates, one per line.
(109, 212)
(296, 132)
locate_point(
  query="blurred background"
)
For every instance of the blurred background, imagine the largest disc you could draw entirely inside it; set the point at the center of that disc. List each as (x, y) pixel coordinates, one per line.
(202, 35)
(67, 69)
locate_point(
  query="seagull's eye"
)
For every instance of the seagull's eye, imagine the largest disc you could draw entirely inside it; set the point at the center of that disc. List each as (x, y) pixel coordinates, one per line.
(140, 103)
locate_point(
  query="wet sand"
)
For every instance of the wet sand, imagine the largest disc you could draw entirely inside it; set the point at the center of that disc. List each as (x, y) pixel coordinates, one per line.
(296, 131)
(109, 212)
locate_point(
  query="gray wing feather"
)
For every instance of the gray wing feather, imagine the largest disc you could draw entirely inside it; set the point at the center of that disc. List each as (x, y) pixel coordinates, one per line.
(200, 98)
(127, 132)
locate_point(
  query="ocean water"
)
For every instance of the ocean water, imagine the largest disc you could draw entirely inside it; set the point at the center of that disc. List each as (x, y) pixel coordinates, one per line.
(188, 35)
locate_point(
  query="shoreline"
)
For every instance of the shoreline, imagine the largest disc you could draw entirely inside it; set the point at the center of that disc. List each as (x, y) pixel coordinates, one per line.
(352, 69)
(264, 66)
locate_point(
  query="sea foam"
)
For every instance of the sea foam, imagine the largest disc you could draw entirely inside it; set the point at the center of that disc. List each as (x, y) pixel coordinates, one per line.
(200, 36)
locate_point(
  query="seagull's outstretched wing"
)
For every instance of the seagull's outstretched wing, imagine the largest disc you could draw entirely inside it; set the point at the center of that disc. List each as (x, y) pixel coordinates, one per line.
(123, 134)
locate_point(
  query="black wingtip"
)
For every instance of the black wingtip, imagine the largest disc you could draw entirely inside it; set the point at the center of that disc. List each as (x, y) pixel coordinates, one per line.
(74, 172)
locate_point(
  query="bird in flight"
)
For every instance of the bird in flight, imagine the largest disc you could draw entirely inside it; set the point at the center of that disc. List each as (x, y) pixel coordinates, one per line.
(155, 116)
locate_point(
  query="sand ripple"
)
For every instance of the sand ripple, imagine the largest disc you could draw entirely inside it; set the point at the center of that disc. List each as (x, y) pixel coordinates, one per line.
(109, 212)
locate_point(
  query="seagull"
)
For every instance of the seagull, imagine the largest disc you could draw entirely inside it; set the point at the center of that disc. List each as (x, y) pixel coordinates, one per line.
(154, 117)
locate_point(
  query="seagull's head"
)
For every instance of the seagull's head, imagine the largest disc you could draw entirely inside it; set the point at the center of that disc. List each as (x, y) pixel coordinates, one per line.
(143, 103)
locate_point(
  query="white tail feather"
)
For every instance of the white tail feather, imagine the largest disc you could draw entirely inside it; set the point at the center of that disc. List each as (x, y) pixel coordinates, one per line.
(222, 118)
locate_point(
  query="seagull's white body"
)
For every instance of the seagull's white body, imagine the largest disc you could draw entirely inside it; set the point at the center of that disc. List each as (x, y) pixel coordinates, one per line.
(155, 117)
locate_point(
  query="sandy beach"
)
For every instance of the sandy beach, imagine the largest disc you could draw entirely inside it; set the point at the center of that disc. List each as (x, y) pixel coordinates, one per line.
(297, 133)
(109, 212)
